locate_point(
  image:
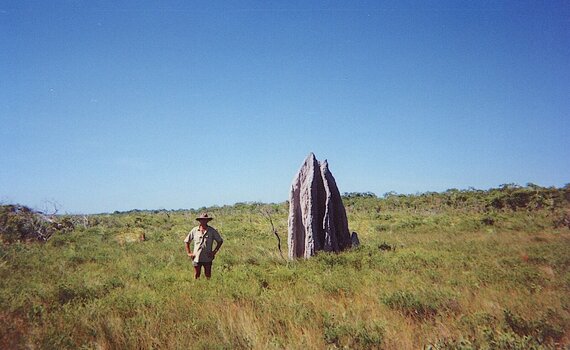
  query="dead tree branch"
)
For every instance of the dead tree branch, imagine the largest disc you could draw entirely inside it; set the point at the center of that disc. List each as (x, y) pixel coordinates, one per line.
(267, 213)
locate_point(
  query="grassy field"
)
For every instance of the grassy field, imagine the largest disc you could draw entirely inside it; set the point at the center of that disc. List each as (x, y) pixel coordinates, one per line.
(456, 270)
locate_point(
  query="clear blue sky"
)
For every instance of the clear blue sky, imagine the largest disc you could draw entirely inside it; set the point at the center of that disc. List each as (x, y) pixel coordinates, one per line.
(122, 105)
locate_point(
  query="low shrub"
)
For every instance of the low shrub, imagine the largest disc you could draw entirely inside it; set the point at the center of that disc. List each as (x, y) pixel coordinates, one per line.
(359, 335)
(542, 330)
(420, 305)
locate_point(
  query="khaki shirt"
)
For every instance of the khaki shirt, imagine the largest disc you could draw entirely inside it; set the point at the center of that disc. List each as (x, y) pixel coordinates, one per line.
(203, 242)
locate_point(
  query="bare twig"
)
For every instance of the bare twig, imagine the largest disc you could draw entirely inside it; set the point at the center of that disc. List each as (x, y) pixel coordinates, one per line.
(266, 212)
(51, 203)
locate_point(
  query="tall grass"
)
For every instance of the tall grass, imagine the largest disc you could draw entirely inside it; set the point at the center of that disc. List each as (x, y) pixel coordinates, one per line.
(451, 278)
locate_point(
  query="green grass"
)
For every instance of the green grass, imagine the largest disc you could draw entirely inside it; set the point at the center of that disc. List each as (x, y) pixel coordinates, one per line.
(453, 278)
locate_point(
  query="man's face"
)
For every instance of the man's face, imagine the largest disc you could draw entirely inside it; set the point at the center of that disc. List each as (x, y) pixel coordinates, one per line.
(203, 222)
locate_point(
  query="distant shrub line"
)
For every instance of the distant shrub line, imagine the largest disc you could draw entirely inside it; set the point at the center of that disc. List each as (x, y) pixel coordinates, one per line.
(20, 223)
(507, 197)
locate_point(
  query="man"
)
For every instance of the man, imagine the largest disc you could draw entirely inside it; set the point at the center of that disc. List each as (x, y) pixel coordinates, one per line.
(203, 237)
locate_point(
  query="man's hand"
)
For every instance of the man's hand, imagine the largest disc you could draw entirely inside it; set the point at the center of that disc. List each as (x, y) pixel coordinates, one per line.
(213, 255)
(191, 255)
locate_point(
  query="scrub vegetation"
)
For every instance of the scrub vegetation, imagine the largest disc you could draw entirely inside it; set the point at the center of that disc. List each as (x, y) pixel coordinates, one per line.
(462, 269)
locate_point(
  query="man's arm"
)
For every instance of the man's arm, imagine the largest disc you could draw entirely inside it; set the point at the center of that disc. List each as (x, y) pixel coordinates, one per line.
(218, 246)
(188, 251)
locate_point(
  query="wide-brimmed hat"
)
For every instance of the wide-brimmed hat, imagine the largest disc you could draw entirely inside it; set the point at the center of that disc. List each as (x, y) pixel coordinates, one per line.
(204, 216)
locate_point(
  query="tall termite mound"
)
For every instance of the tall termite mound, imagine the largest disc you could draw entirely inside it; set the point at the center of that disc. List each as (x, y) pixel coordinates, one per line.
(317, 218)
